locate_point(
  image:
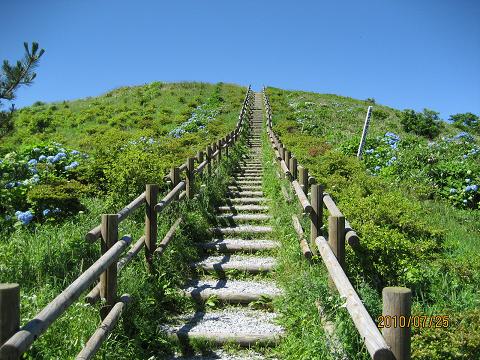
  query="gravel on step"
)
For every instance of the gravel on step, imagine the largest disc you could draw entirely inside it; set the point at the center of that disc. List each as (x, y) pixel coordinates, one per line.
(232, 290)
(256, 229)
(242, 208)
(243, 326)
(224, 355)
(232, 245)
(237, 262)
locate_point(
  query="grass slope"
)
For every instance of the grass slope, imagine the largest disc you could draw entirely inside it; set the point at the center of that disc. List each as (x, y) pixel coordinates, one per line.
(406, 238)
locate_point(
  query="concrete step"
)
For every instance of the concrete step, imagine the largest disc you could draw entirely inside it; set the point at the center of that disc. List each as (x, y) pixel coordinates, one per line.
(236, 194)
(239, 208)
(241, 229)
(231, 291)
(241, 326)
(246, 182)
(249, 264)
(245, 217)
(245, 188)
(230, 245)
(251, 200)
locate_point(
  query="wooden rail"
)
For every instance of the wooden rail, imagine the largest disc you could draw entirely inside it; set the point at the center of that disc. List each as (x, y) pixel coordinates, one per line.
(395, 342)
(14, 341)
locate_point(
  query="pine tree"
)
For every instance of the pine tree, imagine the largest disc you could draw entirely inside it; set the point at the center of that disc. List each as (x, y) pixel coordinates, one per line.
(14, 76)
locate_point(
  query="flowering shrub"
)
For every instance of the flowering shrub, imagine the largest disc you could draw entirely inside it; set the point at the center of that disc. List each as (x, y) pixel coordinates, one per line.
(201, 116)
(449, 167)
(20, 172)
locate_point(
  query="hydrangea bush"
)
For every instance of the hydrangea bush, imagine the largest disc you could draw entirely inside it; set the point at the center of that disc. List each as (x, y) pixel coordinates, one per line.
(22, 171)
(449, 167)
(201, 116)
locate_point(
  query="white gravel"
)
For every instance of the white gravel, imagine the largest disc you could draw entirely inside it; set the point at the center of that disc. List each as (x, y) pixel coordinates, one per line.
(226, 287)
(230, 323)
(223, 355)
(236, 244)
(240, 262)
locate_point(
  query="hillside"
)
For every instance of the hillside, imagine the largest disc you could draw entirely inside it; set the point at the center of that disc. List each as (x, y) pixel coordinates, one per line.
(413, 200)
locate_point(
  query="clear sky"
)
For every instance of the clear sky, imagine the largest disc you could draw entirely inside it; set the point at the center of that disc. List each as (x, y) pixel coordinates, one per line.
(405, 54)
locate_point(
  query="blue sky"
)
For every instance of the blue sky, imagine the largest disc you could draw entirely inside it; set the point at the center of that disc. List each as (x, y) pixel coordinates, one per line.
(405, 54)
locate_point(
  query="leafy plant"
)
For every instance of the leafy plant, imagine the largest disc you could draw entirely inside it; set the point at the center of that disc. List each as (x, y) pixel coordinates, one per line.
(426, 123)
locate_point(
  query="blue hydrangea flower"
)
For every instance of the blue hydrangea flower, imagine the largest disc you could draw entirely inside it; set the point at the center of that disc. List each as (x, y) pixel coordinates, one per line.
(369, 151)
(24, 217)
(377, 168)
(41, 157)
(74, 152)
(51, 159)
(32, 162)
(46, 212)
(471, 188)
(36, 149)
(10, 185)
(453, 191)
(73, 165)
(57, 210)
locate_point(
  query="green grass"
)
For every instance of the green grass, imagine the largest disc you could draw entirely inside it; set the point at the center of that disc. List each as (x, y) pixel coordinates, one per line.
(46, 258)
(406, 240)
(147, 110)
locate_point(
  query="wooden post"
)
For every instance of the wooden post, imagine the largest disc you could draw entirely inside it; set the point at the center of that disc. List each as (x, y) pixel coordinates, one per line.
(287, 155)
(220, 142)
(397, 303)
(227, 142)
(209, 159)
(151, 199)
(303, 179)
(214, 149)
(9, 311)
(316, 215)
(108, 279)
(281, 151)
(175, 176)
(364, 132)
(336, 237)
(200, 157)
(190, 177)
(293, 168)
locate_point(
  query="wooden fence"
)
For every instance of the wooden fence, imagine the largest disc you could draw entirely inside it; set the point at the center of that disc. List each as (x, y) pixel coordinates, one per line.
(14, 341)
(394, 343)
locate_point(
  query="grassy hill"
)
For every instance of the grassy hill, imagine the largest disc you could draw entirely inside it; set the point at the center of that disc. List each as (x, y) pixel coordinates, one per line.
(412, 199)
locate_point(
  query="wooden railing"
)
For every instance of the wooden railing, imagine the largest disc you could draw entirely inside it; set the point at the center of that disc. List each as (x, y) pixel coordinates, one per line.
(14, 341)
(394, 343)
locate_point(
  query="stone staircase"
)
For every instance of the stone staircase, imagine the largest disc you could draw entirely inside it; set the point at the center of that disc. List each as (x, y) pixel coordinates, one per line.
(236, 270)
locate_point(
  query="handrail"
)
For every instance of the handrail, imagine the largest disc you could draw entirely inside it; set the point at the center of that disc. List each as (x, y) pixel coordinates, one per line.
(95, 233)
(23, 338)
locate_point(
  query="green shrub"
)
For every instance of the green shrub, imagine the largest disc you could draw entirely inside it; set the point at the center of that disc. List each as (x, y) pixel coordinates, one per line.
(466, 121)
(426, 123)
(64, 196)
